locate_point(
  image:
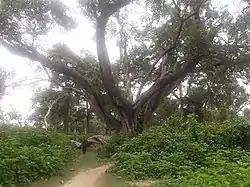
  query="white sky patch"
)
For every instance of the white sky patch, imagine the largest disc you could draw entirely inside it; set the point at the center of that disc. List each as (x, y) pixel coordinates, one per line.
(77, 39)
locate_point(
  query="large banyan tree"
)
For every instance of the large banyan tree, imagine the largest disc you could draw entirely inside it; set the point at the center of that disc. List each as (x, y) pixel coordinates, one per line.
(170, 40)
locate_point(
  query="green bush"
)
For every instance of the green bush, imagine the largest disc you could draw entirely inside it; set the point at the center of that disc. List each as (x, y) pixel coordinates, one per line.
(113, 145)
(137, 165)
(187, 153)
(224, 168)
(29, 154)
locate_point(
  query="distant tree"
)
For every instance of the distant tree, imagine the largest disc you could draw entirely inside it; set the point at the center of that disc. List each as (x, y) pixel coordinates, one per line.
(52, 109)
(12, 117)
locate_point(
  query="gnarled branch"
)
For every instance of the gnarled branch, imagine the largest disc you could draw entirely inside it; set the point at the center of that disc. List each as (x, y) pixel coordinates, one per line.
(166, 51)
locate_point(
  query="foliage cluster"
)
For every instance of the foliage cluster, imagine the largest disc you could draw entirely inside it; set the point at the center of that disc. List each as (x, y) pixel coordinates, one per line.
(188, 154)
(223, 168)
(28, 154)
(113, 145)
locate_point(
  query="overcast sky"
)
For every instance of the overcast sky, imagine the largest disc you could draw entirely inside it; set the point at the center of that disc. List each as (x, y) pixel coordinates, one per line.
(19, 98)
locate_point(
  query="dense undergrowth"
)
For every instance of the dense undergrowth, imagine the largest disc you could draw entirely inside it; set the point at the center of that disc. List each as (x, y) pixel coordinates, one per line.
(29, 154)
(186, 154)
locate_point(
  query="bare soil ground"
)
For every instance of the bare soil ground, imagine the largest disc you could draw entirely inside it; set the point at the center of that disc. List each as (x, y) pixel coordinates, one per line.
(89, 178)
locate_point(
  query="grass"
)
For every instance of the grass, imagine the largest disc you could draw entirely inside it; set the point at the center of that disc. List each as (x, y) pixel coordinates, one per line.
(110, 180)
(113, 181)
(84, 162)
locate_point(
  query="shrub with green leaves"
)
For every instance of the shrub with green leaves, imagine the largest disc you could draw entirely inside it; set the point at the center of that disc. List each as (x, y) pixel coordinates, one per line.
(224, 168)
(187, 153)
(159, 151)
(28, 154)
(113, 145)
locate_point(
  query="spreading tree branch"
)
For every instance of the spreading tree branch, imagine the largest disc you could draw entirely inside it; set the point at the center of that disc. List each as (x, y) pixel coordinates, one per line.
(166, 51)
(90, 93)
(59, 84)
(161, 85)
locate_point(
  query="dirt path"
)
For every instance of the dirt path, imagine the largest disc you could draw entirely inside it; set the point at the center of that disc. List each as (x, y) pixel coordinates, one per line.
(88, 178)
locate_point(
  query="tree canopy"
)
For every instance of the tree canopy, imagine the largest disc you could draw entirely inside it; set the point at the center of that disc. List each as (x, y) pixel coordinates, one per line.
(172, 43)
